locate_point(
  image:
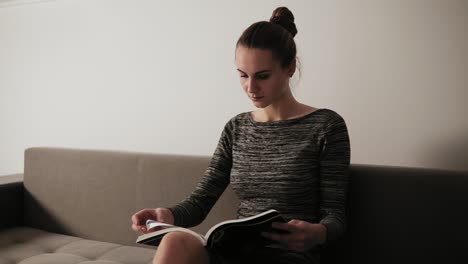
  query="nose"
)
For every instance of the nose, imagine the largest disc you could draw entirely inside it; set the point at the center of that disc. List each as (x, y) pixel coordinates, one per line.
(252, 86)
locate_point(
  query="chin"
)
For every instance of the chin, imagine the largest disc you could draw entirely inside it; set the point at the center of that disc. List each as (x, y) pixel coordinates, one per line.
(260, 104)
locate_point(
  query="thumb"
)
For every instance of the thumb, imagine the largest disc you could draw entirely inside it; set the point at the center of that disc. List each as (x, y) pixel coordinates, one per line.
(160, 215)
(295, 222)
(161, 219)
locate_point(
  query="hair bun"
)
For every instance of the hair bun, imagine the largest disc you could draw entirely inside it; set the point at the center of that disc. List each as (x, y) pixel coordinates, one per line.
(285, 18)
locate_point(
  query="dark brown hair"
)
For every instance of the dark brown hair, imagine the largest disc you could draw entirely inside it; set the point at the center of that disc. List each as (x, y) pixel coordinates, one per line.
(276, 35)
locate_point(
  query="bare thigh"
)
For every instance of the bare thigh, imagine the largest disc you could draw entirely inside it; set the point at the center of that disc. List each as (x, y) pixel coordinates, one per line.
(179, 247)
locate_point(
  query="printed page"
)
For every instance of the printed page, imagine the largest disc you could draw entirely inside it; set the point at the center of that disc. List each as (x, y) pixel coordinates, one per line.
(150, 224)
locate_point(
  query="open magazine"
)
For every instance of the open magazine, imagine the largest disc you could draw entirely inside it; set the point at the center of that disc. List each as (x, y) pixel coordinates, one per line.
(226, 234)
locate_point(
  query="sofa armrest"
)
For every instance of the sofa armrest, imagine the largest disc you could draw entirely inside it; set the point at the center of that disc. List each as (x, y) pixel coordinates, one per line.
(11, 200)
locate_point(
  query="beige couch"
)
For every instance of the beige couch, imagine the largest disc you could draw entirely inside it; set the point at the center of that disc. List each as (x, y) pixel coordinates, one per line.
(74, 206)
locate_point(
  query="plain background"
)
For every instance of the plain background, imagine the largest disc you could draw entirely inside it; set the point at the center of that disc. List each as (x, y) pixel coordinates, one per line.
(159, 76)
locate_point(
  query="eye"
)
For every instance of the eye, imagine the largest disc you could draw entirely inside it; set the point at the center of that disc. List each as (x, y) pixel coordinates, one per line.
(243, 76)
(263, 76)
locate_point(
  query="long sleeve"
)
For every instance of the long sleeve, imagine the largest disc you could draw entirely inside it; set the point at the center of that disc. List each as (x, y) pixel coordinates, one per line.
(334, 170)
(194, 209)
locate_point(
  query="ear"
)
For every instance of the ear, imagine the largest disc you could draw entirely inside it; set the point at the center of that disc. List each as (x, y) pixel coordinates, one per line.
(292, 68)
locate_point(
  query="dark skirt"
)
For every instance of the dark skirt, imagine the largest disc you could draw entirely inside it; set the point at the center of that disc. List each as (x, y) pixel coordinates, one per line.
(271, 255)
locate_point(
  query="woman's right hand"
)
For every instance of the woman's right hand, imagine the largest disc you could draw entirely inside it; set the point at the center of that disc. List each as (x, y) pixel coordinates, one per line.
(162, 215)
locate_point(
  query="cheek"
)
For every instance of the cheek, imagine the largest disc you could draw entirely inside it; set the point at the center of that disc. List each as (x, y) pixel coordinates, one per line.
(270, 85)
(243, 84)
(277, 85)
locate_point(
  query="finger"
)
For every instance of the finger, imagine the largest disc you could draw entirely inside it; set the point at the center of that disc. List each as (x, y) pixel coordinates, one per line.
(277, 237)
(286, 228)
(280, 242)
(281, 226)
(141, 216)
(294, 222)
(139, 228)
(297, 248)
(137, 217)
(160, 216)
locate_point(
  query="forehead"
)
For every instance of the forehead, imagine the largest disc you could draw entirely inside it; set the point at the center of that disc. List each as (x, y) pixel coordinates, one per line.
(252, 60)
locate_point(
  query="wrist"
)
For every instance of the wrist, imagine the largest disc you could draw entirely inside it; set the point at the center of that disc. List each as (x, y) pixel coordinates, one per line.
(322, 234)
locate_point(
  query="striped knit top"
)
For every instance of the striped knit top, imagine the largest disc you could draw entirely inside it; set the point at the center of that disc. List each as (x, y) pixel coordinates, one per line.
(297, 166)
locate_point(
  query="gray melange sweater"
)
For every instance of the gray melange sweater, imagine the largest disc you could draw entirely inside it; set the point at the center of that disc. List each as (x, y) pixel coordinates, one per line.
(297, 166)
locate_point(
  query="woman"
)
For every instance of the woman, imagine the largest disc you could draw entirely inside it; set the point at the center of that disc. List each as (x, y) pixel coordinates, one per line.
(285, 156)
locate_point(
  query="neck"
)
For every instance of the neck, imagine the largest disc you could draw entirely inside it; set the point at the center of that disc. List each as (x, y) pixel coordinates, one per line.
(285, 108)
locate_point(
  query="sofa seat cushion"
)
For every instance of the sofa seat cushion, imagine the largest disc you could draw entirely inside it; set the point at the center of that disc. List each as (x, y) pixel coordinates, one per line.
(33, 246)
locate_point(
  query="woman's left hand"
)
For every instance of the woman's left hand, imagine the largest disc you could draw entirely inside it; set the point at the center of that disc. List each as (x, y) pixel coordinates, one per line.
(300, 235)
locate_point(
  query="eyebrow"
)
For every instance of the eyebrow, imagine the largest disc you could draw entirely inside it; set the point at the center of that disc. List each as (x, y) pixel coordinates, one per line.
(259, 72)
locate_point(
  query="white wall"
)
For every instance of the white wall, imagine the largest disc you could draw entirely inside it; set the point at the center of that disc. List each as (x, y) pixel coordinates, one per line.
(159, 76)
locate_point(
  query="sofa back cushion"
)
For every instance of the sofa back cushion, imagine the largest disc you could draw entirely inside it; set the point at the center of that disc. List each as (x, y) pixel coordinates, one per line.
(92, 194)
(404, 215)
(395, 214)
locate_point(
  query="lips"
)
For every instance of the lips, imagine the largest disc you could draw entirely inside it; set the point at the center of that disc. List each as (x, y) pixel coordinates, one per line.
(257, 98)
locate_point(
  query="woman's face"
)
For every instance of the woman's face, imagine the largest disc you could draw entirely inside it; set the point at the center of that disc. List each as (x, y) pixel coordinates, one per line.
(262, 78)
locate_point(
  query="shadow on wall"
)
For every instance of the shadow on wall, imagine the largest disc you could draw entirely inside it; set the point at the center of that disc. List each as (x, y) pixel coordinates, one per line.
(450, 152)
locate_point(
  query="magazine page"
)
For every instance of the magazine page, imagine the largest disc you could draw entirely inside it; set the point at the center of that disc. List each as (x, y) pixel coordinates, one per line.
(150, 224)
(155, 237)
